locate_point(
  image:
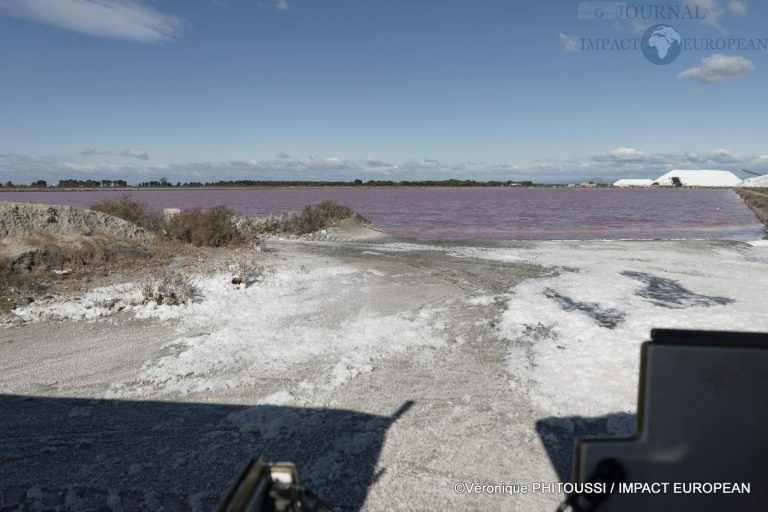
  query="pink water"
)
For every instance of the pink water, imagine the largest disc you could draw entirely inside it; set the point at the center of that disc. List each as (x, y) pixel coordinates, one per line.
(478, 213)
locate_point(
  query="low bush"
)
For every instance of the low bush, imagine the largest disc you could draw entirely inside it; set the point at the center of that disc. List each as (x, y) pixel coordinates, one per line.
(320, 216)
(19, 286)
(13, 285)
(245, 271)
(133, 211)
(214, 227)
(171, 289)
(222, 227)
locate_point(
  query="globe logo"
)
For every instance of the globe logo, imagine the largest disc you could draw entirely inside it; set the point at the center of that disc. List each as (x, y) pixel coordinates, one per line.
(599, 13)
(661, 44)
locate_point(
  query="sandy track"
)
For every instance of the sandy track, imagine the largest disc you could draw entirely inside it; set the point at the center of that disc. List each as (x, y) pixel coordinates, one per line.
(465, 424)
(488, 352)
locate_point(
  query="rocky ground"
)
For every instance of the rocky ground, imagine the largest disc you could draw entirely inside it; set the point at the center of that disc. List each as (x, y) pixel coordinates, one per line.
(389, 371)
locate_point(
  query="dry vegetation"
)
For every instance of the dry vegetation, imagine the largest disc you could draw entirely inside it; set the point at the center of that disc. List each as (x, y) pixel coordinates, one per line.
(171, 289)
(51, 252)
(323, 215)
(757, 200)
(16, 286)
(214, 227)
(44, 261)
(221, 227)
(133, 211)
(48, 264)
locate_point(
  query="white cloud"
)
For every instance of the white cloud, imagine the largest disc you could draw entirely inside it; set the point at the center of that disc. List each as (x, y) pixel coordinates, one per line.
(711, 10)
(723, 155)
(622, 162)
(425, 163)
(719, 67)
(628, 154)
(623, 156)
(568, 44)
(281, 5)
(134, 153)
(115, 19)
(630, 162)
(637, 25)
(738, 7)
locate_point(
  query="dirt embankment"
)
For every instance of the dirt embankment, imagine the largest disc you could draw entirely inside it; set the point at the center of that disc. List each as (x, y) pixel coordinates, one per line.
(757, 200)
(21, 219)
(45, 247)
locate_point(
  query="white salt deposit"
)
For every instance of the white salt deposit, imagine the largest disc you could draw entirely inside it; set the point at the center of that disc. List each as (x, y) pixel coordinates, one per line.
(97, 303)
(570, 363)
(573, 339)
(236, 336)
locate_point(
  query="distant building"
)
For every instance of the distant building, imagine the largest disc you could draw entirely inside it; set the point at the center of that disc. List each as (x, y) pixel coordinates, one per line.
(702, 178)
(634, 182)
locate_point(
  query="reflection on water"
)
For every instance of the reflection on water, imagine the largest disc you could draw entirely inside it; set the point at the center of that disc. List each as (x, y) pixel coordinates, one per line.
(480, 213)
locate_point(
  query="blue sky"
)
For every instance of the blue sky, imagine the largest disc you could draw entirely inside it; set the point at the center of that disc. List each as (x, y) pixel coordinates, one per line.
(345, 89)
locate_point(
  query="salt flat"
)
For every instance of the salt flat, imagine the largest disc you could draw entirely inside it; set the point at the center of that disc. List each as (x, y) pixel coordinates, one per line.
(388, 370)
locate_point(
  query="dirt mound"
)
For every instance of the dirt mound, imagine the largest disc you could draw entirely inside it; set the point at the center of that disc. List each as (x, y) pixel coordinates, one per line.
(20, 219)
(757, 201)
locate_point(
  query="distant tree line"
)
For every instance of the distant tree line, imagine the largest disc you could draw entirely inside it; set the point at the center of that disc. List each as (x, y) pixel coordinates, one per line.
(91, 183)
(164, 182)
(358, 183)
(34, 184)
